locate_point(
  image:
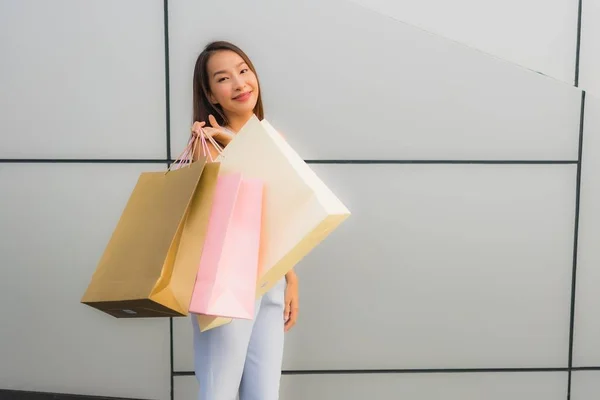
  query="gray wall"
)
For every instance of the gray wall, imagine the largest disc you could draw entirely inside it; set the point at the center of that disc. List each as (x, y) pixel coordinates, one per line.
(451, 130)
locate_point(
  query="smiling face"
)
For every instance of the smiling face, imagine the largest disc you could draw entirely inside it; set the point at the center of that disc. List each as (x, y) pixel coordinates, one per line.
(232, 84)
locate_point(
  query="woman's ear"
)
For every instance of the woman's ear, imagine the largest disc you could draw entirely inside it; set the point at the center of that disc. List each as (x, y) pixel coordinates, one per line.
(212, 99)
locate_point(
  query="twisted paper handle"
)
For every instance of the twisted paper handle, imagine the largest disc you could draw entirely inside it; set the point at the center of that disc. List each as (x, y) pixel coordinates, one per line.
(212, 141)
(186, 156)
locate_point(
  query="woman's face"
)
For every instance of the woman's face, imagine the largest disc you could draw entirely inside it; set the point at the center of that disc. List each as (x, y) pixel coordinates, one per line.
(232, 83)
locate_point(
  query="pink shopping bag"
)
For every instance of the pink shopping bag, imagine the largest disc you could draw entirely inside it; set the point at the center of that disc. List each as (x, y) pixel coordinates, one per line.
(226, 280)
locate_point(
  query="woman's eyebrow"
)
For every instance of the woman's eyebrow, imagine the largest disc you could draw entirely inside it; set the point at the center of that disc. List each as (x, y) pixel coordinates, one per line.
(223, 71)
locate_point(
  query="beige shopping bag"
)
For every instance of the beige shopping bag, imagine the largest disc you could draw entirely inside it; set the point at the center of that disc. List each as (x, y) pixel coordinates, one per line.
(149, 266)
(299, 210)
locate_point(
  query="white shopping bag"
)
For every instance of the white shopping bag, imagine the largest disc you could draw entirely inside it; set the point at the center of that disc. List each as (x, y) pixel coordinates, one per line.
(299, 210)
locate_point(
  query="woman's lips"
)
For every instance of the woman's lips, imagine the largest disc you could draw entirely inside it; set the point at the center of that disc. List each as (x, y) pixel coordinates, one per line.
(243, 97)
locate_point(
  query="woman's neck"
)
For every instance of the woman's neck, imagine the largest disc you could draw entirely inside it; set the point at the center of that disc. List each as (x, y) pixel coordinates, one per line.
(236, 122)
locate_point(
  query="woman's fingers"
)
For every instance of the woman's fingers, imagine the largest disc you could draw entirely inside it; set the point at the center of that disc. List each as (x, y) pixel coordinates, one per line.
(291, 315)
(197, 128)
(213, 121)
(212, 132)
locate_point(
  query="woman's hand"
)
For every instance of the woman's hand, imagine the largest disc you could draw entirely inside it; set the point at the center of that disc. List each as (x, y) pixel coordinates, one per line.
(215, 131)
(290, 314)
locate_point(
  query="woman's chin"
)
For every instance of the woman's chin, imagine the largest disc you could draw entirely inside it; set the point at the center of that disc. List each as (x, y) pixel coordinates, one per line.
(245, 109)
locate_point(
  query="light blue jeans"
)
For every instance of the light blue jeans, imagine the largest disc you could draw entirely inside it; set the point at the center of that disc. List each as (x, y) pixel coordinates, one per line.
(244, 356)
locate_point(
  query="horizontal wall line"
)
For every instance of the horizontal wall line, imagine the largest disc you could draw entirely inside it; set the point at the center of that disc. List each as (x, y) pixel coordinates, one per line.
(31, 395)
(416, 371)
(585, 369)
(80, 161)
(158, 161)
(442, 162)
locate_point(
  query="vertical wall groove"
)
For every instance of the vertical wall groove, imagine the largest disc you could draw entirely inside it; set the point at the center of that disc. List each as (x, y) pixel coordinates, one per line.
(168, 150)
(167, 80)
(575, 245)
(578, 43)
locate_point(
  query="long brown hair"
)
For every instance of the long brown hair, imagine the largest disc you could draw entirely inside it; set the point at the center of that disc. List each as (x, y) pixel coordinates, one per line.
(201, 89)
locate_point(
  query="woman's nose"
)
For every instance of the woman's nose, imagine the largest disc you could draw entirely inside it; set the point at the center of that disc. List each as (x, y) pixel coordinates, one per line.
(239, 82)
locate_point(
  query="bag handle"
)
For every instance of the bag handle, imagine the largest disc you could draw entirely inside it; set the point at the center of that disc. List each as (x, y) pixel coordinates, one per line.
(212, 141)
(186, 156)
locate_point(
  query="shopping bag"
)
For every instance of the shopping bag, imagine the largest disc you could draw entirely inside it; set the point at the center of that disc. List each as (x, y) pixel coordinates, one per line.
(150, 262)
(299, 212)
(226, 280)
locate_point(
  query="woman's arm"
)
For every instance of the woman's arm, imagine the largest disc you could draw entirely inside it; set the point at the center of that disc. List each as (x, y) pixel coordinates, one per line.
(290, 312)
(291, 277)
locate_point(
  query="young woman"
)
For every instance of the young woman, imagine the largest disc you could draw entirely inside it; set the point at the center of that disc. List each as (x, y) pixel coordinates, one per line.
(245, 356)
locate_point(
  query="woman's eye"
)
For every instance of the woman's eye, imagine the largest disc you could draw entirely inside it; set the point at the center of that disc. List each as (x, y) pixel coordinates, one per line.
(221, 79)
(244, 70)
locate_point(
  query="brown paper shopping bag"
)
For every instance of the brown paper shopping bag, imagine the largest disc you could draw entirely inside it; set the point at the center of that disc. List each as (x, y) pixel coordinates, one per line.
(149, 265)
(300, 211)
